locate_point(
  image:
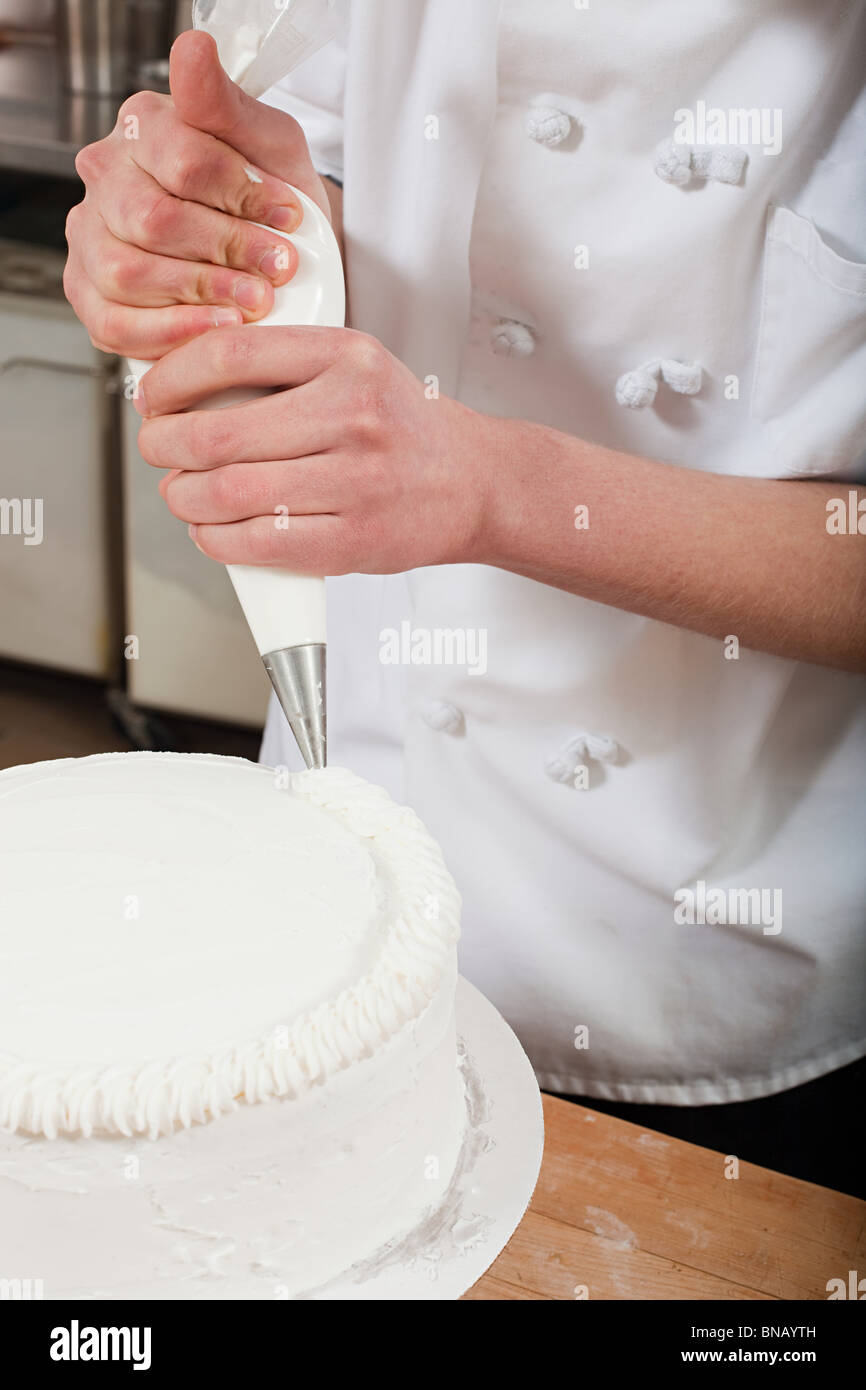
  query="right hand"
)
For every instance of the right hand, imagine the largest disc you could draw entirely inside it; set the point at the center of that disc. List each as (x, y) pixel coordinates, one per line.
(163, 247)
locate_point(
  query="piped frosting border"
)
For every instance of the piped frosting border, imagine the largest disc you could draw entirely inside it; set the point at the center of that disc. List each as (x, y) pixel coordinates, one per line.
(153, 1099)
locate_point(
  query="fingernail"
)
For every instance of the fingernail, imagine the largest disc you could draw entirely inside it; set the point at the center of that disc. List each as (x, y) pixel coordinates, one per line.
(224, 318)
(275, 262)
(284, 219)
(250, 294)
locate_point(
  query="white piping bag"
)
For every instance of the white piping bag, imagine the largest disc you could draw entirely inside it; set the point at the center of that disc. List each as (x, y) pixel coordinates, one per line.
(259, 42)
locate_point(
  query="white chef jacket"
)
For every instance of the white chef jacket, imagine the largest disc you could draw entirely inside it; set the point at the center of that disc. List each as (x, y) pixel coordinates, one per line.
(488, 151)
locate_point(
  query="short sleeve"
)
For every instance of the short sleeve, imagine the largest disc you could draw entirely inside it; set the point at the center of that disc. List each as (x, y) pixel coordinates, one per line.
(314, 96)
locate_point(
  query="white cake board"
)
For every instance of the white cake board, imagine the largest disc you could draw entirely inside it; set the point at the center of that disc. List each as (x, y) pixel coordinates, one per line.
(495, 1178)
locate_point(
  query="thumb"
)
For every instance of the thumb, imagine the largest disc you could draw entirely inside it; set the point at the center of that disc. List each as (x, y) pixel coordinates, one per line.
(205, 97)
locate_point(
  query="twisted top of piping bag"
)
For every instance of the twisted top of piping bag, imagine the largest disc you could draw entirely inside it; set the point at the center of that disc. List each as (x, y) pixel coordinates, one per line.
(261, 41)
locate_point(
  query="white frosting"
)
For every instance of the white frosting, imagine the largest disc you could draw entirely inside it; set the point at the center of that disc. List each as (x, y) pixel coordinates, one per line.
(182, 937)
(268, 1202)
(178, 932)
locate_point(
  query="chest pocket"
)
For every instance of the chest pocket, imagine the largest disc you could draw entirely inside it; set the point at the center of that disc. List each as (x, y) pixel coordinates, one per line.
(811, 361)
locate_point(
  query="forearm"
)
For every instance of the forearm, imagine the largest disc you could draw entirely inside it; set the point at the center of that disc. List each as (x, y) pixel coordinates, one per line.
(714, 554)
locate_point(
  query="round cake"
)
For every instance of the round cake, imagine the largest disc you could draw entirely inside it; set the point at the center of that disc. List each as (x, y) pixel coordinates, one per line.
(228, 1064)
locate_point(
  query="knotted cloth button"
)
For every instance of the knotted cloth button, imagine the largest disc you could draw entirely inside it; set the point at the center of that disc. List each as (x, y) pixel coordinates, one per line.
(551, 118)
(443, 717)
(678, 163)
(509, 338)
(560, 769)
(638, 388)
(673, 162)
(547, 125)
(600, 747)
(583, 748)
(684, 377)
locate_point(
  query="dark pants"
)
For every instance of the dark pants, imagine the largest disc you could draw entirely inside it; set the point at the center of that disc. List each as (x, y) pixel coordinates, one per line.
(815, 1132)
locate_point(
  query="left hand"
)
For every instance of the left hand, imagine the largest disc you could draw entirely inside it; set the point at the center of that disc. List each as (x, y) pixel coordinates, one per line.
(346, 467)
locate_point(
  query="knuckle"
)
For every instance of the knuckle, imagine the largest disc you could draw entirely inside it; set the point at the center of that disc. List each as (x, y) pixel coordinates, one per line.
(222, 492)
(97, 342)
(366, 423)
(73, 222)
(219, 175)
(231, 349)
(109, 327)
(194, 439)
(120, 271)
(210, 499)
(215, 443)
(368, 354)
(133, 106)
(294, 139)
(202, 285)
(90, 161)
(186, 172)
(176, 501)
(159, 217)
(236, 242)
(70, 283)
(294, 130)
(141, 104)
(199, 287)
(242, 493)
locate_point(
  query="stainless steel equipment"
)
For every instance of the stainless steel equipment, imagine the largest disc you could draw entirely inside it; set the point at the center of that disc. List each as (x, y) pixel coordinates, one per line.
(93, 39)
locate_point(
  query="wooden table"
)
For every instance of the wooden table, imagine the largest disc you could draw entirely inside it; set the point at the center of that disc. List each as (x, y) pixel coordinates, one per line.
(624, 1213)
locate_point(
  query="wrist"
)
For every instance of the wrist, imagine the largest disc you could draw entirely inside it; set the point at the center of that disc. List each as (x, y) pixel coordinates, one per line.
(475, 445)
(521, 474)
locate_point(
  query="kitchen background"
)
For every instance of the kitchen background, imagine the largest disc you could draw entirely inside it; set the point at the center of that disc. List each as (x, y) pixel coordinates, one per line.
(90, 557)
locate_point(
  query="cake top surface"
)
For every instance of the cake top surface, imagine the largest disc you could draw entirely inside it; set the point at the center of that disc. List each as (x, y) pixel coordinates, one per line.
(178, 930)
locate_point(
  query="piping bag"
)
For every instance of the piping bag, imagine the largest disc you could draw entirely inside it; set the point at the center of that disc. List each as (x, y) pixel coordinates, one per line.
(260, 42)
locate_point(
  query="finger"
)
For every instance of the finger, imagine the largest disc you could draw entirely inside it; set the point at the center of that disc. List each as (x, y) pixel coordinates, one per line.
(308, 545)
(127, 275)
(281, 489)
(290, 425)
(253, 356)
(163, 482)
(139, 211)
(143, 333)
(206, 98)
(196, 166)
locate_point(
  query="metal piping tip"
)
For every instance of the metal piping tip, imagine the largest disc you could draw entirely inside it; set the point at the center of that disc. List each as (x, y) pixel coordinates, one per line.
(298, 677)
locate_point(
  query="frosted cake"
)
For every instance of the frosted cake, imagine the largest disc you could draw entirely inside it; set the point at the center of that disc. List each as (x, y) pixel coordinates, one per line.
(228, 1062)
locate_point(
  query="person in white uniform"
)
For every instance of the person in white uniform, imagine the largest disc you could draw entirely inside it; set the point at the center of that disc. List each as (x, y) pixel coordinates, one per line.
(587, 461)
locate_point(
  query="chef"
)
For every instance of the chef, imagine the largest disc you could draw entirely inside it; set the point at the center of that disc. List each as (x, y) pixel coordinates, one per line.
(587, 463)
